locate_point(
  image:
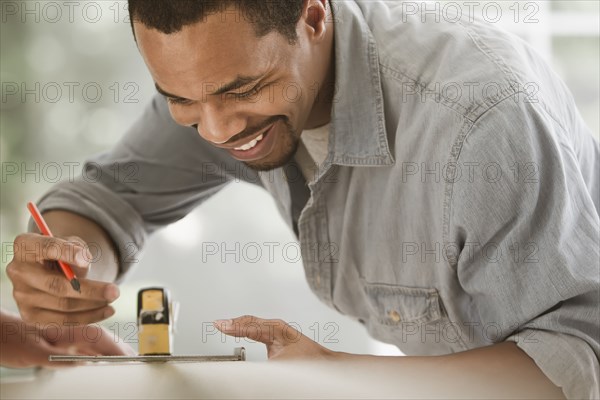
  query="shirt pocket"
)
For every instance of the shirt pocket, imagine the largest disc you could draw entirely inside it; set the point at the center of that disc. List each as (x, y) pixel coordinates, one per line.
(411, 318)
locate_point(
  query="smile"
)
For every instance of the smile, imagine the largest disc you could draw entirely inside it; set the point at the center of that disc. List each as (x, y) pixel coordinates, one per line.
(250, 144)
(259, 147)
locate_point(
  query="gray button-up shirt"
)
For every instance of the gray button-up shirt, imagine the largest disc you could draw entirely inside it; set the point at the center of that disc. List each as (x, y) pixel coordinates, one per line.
(457, 206)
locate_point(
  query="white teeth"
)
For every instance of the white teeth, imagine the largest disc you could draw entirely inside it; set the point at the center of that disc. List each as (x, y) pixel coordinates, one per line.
(251, 144)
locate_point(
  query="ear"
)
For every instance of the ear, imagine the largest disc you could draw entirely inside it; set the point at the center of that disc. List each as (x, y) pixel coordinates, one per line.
(314, 16)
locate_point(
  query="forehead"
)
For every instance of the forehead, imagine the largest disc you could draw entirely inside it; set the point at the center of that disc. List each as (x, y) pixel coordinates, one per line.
(214, 50)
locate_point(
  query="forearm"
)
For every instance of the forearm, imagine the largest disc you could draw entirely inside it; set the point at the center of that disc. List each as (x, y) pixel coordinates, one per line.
(105, 264)
(501, 371)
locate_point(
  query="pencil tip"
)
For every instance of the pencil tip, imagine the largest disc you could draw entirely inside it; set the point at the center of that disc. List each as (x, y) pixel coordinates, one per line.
(75, 284)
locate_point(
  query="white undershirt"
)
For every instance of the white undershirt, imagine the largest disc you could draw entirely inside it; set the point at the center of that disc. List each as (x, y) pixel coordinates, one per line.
(312, 151)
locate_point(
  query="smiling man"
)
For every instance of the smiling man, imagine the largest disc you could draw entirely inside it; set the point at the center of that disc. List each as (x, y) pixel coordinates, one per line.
(437, 174)
(234, 89)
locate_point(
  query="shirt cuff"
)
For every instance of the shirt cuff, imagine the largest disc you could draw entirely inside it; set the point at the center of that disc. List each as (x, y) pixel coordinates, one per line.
(94, 201)
(568, 361)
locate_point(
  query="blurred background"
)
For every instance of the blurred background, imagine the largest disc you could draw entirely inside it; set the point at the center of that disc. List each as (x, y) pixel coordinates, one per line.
(73, 82)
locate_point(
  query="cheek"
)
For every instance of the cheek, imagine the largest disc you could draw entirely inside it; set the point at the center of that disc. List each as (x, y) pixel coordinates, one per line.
(283, 99)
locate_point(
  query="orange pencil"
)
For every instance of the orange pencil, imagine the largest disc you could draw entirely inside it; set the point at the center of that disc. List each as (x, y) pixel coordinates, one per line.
(43, 227)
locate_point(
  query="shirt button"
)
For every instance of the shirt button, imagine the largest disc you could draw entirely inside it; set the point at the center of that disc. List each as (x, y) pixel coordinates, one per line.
(394, 316)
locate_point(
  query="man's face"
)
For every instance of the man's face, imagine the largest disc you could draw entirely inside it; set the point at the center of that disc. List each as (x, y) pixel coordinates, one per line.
(249, 95)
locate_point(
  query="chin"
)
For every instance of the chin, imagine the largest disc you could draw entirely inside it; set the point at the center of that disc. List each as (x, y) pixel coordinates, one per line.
(278, 158)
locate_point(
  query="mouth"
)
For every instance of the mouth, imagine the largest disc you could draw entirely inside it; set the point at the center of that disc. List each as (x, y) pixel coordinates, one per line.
(256, 148)
(251, 144)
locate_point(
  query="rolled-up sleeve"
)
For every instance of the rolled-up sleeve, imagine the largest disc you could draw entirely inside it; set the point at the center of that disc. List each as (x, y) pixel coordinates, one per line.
(155, 175)
(534, 272)
(565, 359)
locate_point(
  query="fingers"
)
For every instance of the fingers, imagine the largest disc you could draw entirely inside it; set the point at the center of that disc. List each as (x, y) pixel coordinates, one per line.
(105, 343)
(65, 304)
(267, 331)
(88, 340)
(30, 276)
(77, 318)
(43, 294)
(40, 353)
(283, 342)
(35, 248)
(81, 272)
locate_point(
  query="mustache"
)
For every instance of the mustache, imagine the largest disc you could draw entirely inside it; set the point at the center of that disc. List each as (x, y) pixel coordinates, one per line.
(252, 131)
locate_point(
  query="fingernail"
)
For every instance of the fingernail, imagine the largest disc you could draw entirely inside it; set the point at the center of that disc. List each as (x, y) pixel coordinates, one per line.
(81, 259)
(109, 312)
(111, 293)
(224, 323)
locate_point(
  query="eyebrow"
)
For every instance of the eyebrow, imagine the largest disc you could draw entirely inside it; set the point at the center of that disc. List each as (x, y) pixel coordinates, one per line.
(167, 94)
(238, 82)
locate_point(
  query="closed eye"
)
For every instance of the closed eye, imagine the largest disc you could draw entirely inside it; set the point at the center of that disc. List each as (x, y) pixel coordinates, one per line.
(178, 101)
(250, 93)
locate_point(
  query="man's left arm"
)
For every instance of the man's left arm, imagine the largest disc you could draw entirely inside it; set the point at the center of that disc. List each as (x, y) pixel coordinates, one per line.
(531, 269)
(497, 371)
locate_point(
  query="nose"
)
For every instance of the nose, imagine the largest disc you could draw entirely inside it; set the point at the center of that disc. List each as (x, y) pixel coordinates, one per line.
(219, 123)
(215, 123)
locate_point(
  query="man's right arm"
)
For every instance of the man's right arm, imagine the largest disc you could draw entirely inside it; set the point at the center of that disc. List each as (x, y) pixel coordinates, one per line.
(155, 175)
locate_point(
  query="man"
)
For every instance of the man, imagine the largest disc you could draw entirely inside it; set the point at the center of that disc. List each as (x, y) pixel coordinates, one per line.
(437, 174)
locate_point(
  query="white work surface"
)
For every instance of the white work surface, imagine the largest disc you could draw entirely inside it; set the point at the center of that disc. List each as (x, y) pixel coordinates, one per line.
(196, 380)
(246, 379)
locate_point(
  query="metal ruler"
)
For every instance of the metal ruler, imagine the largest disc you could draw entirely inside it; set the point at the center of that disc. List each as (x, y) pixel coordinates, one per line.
(239, 354)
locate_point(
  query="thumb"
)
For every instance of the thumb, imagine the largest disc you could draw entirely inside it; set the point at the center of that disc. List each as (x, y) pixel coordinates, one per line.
(267, 331)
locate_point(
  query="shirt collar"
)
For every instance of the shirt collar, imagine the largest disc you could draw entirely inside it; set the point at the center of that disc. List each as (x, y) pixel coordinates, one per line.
(358, 135)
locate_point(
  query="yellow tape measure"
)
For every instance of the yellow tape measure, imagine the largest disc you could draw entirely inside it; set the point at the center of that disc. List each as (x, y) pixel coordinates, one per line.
(155, 322)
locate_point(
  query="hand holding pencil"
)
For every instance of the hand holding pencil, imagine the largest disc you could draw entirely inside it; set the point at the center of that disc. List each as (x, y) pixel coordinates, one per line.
(43, 227)
(57, 295)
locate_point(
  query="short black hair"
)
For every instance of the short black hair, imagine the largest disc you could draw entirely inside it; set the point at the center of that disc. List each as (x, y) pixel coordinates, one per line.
(170, 16)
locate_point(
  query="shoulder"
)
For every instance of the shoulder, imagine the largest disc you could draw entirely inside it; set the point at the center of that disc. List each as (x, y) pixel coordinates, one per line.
(455, 58)
(513, 166)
